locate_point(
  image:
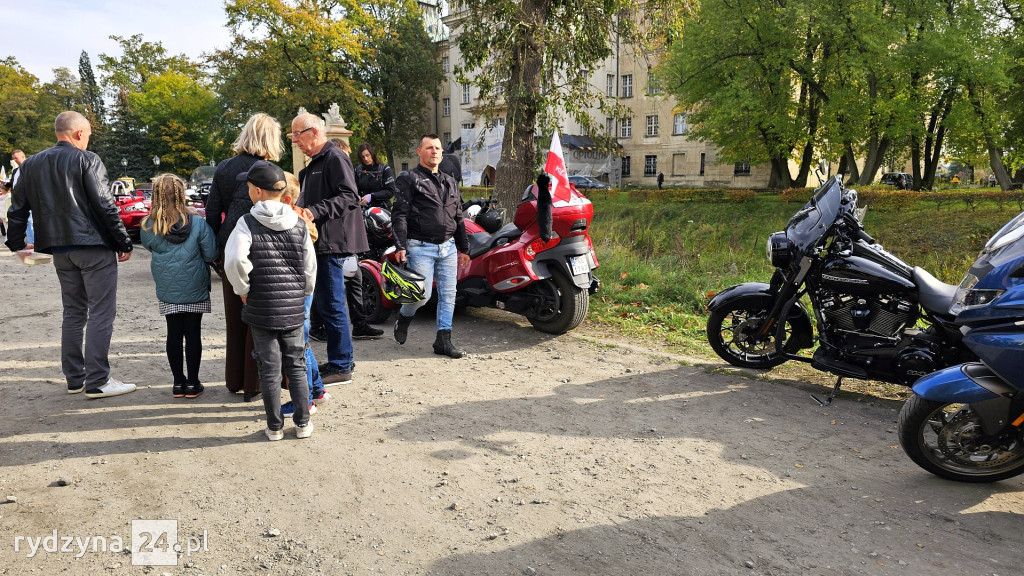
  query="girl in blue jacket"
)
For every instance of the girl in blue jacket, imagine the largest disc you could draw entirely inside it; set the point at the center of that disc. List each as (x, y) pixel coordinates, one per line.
(182, 244)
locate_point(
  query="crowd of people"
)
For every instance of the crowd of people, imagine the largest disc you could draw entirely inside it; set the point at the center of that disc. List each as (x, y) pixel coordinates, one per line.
(283, 245)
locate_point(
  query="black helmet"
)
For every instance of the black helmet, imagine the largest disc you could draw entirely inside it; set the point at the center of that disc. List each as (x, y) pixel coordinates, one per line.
(378, 227)
(490, 221)
(402, 285)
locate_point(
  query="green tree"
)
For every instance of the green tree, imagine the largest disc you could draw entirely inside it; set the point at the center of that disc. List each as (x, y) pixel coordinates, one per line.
(138, 62)
(126, 140)
(179, 115)
(96, 111)
(400, 74)
(535, 58)
(22, 122)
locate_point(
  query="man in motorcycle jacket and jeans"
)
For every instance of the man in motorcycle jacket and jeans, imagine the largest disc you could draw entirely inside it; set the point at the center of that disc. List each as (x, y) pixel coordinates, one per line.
(431, 236)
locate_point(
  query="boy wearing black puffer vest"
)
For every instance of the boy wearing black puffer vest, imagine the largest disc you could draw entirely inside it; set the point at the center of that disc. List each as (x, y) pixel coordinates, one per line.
(270, 263)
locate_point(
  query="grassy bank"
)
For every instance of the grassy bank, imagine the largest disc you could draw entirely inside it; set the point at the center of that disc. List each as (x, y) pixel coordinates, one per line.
(664, 253)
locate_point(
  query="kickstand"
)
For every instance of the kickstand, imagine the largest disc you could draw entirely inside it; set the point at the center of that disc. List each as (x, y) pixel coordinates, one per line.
(835, 389)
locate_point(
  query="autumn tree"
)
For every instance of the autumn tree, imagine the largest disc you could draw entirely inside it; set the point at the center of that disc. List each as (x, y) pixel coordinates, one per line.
(22, 122)
(178, 113)
(284, 55)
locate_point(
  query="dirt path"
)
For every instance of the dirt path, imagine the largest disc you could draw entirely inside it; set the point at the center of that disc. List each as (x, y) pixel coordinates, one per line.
(533, 455)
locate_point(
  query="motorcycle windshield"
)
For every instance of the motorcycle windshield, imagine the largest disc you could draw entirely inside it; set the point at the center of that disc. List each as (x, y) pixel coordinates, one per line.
(1004, 248)
(812, 221)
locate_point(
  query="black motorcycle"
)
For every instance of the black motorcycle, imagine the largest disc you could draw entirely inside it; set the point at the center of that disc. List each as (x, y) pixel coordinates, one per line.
(877, 318)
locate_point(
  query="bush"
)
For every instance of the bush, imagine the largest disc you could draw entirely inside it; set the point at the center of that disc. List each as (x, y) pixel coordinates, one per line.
(740, 196)
(887, 200)
(801, 195)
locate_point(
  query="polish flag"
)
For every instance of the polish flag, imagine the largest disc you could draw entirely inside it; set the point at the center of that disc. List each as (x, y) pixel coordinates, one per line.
(555, 166)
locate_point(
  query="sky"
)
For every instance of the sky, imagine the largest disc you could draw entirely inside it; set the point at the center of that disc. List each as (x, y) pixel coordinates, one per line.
(46, 34)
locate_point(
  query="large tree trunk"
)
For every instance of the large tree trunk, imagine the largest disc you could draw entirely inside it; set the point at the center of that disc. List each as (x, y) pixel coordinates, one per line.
(933, 142)
(850, 160)
(515, 169)
(877, 147)
(995, 154)
(780, 177)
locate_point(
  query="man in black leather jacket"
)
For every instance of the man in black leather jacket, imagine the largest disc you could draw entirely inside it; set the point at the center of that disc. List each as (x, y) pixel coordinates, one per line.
(65, 188)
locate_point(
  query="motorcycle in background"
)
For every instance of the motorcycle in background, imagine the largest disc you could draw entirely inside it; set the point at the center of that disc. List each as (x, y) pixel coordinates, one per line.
(877, 317)
(965, 422)
(540, 265)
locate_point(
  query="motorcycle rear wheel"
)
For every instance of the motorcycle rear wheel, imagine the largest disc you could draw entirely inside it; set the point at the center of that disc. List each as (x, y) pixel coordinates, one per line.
(729, 332)
(946, 439)
(565, 305)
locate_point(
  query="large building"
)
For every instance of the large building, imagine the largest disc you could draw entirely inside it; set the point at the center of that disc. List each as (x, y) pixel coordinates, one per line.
(652, 137)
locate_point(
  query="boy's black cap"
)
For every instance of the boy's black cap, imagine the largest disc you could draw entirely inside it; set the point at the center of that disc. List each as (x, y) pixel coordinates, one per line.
(265, 175)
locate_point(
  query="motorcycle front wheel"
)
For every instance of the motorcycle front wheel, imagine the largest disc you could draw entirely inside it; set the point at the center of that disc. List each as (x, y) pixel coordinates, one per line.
(732, 332)
(947, 440)
(373, 302)
(563, 305)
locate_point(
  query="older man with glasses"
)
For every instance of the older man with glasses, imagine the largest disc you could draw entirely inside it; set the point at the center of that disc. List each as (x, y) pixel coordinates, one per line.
(329, 197)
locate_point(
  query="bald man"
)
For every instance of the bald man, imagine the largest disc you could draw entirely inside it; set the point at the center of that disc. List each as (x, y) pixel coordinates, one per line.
(65, 188)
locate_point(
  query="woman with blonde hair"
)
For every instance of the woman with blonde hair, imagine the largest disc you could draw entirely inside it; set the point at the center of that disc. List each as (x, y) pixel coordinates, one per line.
(228, 201)
(181, 244)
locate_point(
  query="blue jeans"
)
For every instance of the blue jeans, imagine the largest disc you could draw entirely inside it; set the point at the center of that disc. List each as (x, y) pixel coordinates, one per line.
(316, 384)
(330, 302)
(30, 231)
(438, 262)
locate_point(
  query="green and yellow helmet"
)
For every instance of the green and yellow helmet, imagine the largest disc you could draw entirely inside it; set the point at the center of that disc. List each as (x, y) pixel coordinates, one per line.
(401, 285)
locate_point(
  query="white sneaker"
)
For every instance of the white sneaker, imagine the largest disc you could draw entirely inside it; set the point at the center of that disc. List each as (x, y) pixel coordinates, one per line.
(304, 431)
(324, 397)
(111, 388)
(274, 435)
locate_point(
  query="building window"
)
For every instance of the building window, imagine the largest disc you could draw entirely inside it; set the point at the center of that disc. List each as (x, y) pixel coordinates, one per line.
(702, 154)
(742, 169)
(405, 166)
(446, 107)
(447, 139)
(609, 124)
(627, 128)
(650, 165)
(468, 125)
(499, 122)
(653, 83)
(625, 165)
(627, 86)
(652, 125)
(465, 93)
(679, 164)
(679, 124)
(609, 87)
(444, 64)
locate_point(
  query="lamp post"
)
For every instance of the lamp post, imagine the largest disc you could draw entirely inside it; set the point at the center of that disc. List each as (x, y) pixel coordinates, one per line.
(124, 166)
(156, 162)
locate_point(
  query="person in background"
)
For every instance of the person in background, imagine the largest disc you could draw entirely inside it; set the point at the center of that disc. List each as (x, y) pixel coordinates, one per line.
(431, 235)
(229, 200)
(661, 179)
(270, 263)
(375, 179)
(17, 159)
(181, 244)
(65, 187)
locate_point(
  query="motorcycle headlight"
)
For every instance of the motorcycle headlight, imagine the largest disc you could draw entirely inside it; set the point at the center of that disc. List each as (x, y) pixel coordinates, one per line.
(968, 297)
(779, 249)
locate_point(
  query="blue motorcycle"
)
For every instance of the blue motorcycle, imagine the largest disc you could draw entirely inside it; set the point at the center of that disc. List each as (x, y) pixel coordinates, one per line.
(965, 422)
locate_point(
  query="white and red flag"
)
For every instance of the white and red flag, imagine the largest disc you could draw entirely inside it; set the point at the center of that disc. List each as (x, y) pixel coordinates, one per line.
(555, 166)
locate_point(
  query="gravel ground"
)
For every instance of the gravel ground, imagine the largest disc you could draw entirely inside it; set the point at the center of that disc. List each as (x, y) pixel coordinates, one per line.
(580, 454)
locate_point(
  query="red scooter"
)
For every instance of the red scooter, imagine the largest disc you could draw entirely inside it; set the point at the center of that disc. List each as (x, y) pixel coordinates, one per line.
(549, 281)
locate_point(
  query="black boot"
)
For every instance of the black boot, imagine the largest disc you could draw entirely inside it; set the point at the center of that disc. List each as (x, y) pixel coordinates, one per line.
(402, 328)
(443, 345)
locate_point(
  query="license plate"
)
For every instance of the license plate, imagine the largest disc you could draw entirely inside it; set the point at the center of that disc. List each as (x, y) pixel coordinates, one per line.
(579, 265)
